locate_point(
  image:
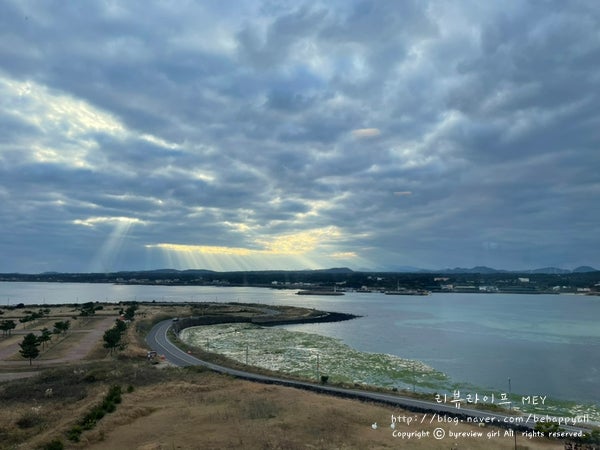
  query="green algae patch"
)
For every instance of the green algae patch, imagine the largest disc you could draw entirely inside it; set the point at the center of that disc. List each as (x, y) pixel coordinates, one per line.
(310, 356)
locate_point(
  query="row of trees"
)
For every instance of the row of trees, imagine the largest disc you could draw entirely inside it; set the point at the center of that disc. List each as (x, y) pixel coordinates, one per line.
(31, 343)
(113, 338)
(33, 315)
(7, 326)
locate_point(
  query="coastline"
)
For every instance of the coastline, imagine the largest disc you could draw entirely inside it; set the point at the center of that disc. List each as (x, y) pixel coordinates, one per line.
(268, 320)
(427, 335)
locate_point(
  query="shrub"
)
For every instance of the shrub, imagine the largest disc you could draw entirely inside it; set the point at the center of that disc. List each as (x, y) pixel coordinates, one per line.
(114, 394)
(547, 427)
(54, 445)
(74, 434)
(30, 419)
(108, 406)
(260, 409)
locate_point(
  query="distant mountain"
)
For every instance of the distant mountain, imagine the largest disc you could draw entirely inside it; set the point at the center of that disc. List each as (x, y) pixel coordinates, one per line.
(476, 269)
(549, 270)
(334, 270)
(161, 271)
(345, 270)
(543, 270)
(406, 269)
(169, 272)
(197, 271)
(584, 269)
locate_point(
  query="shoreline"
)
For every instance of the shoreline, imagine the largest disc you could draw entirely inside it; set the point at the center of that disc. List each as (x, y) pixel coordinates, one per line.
(269, 320)
(368, 369)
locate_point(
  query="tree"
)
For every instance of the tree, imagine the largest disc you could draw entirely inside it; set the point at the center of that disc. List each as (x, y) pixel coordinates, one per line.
(121, 326)
(130, 312)
(44, 337)
(6, 326)
(29, 347)
(112, 339)
(62, 327)
(88, 309)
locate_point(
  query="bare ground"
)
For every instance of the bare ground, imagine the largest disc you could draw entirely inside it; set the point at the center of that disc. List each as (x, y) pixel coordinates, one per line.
(76, 344)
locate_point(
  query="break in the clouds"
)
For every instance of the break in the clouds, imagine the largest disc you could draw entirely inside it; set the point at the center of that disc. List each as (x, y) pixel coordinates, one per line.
(275, 134)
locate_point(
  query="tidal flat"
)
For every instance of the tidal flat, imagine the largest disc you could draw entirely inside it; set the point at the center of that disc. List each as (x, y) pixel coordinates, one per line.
(311, 356)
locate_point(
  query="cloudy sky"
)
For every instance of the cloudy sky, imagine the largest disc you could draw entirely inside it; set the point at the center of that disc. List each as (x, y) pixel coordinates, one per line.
(289, 135)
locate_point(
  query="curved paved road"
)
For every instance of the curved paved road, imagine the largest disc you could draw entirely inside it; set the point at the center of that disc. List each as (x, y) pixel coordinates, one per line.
(157, 340)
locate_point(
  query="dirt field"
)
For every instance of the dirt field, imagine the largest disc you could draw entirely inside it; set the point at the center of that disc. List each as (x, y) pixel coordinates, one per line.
(81, 339)
(172, 408)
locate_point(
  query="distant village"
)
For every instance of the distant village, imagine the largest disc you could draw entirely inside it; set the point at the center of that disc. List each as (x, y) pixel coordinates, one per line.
(345, 280)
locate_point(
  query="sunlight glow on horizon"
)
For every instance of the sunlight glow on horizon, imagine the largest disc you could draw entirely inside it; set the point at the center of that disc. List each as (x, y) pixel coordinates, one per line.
(297, 250)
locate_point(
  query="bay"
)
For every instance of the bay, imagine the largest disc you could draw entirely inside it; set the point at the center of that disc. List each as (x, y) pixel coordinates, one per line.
(545, 344)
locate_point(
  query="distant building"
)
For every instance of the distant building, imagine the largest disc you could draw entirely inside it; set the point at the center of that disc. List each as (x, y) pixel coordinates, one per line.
(488, 289)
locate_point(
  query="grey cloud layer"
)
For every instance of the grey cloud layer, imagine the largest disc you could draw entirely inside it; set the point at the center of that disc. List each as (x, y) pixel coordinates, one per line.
(488, 120)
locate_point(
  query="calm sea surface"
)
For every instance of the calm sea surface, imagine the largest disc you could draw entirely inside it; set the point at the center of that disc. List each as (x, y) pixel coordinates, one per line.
(546, 344)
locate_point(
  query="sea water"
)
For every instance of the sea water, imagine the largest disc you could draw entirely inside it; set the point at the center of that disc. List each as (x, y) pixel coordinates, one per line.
(534, 345)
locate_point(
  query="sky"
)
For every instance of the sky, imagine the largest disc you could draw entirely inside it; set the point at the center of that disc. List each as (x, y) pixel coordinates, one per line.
(254, 135)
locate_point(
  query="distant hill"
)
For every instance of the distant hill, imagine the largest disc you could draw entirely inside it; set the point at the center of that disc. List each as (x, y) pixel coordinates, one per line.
(334, 270)
(584, 269)
(489, 270)
(339, 271)
(476, 269)
(550, 270)
(404, 269)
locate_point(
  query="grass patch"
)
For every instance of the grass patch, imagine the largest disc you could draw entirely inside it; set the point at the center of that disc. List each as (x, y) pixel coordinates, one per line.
(259, 408)
(54, 444)
(65, 385)
(30, 419)
(89, 421)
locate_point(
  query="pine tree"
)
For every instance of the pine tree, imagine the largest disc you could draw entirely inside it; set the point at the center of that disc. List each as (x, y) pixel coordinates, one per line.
(112, 339)
(44, 337)
(29, 347)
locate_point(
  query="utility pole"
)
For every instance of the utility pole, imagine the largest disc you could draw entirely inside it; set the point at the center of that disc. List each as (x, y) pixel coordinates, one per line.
(318, 373)
(246, 353)
(509, 392)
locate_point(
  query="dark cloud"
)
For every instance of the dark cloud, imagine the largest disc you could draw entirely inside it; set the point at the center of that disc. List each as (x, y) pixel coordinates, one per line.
(128, 125)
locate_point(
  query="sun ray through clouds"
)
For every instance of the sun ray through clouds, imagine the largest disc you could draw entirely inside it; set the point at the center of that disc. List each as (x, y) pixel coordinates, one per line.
(107, 255)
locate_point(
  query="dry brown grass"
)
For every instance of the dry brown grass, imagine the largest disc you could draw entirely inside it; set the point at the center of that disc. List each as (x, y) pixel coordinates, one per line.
(216, 412)
(195, 409)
